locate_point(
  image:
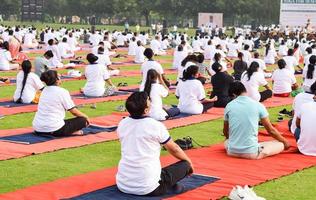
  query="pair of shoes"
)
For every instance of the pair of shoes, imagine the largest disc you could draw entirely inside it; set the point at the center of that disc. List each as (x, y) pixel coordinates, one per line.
(120, 108)
(285, 112)
(243, 193)
(1, 116)
(280, 119)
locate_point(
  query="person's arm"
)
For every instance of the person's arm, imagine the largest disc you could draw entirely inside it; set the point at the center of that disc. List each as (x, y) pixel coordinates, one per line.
(165, 80)
(109, 82)
(274, 132)
(77, 113)
(298, 122)
(177, 152)
(162, 82)
(226, 129)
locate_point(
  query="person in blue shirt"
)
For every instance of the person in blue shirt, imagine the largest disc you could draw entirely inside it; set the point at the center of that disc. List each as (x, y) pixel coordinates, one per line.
(241, 127)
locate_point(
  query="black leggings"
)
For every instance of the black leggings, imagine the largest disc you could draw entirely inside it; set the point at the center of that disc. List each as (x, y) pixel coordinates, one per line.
(71, 126)
(267, 94)
(172, 112)
(207, 106)
(170, 176)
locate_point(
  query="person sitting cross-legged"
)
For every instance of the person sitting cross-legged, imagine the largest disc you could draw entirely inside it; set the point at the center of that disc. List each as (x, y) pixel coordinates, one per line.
(141, 137)
(241, 127)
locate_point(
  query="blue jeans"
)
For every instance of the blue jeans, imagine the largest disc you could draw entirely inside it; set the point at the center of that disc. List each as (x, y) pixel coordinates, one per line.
(297, 134)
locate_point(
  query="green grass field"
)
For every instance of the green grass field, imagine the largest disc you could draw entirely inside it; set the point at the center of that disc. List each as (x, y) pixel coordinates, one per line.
(21, 173)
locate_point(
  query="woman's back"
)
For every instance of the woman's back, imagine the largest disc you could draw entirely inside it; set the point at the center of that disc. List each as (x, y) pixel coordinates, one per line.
(32, 84)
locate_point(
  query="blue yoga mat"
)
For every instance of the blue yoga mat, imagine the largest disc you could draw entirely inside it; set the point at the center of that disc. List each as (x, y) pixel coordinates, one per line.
(31, 138)
(112, 193)
(117, 93)
(12, 104)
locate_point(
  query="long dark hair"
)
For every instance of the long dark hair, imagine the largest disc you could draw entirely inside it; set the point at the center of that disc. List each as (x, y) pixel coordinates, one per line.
(217, 57)
(26, 67)
(267, 49)
(189, 58)
(311, 67)
(254, 66)
(152, 76)
(190, 72)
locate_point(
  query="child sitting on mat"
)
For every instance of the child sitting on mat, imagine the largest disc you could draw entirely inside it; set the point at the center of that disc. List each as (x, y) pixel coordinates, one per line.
(241, 127)
(139, 170)
(156, 89)
(54, 101)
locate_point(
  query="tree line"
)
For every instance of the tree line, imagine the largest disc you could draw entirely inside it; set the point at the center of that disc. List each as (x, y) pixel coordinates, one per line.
(179, 12)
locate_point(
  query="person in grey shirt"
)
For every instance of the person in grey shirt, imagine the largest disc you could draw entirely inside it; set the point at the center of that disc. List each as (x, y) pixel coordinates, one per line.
(42, 63)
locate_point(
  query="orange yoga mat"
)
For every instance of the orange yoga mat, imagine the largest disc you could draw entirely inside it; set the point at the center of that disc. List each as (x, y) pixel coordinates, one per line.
(210, 161)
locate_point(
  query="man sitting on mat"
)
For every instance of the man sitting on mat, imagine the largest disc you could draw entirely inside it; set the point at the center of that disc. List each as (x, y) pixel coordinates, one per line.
(141, 137)
(241, 127)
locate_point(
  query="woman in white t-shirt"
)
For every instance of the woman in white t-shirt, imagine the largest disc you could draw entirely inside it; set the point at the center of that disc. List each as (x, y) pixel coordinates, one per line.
(6, 61)
(52, 107)
(309, 74)
(96, 75)
(283, 80)
(178, 56)
(151, 64)
(156, 90)
(252, 80)
(191, 93)
(191, 59)
(27, 84)
(283, 49)
(270, 55)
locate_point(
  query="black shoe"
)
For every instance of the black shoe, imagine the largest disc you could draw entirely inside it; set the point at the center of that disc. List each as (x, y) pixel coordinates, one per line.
(261, 125)
(280, 119)
(283, 112)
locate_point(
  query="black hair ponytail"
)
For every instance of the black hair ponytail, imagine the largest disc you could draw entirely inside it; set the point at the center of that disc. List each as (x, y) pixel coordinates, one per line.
(311, 67)
(26, 67)
(152, 76)
(254, 66)
(190, 72)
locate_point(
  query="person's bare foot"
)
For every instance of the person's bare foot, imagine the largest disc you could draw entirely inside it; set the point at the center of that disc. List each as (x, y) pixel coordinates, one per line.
(78, 133)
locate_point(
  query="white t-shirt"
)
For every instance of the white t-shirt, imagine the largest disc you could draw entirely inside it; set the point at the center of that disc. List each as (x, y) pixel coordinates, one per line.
(139, 57)
(308, 82)
(53, 103)
(190, 93)
(139, 169)
(209, 52)
(283, 50)
(270, 57)
(299, 100)
(155, 46)
(64, 48)
(291, 63)
(5, 59)
(283, 81)
(247, 56)
(178, 57)
(257, 79)
(95, 75)
(307, 141)
(262, 64)
(28, 39)
(232, 50)
(104, 60)
(132, 48)
(156, 107)
(33, 84)
(146, 66)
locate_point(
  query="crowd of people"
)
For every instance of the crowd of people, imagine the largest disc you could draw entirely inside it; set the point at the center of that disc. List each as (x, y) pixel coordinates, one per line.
(203, 59)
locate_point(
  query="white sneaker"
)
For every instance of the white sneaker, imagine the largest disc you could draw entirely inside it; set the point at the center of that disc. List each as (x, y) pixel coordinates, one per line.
(252, 193)
(74, 73)
(238, 193)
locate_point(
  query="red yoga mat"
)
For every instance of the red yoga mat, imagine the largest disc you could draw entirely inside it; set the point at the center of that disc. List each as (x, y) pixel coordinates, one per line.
(211, 161)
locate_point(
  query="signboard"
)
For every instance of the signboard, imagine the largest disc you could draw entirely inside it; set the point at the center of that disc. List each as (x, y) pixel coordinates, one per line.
(297, 12)
(211, 19)
(32, 10)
